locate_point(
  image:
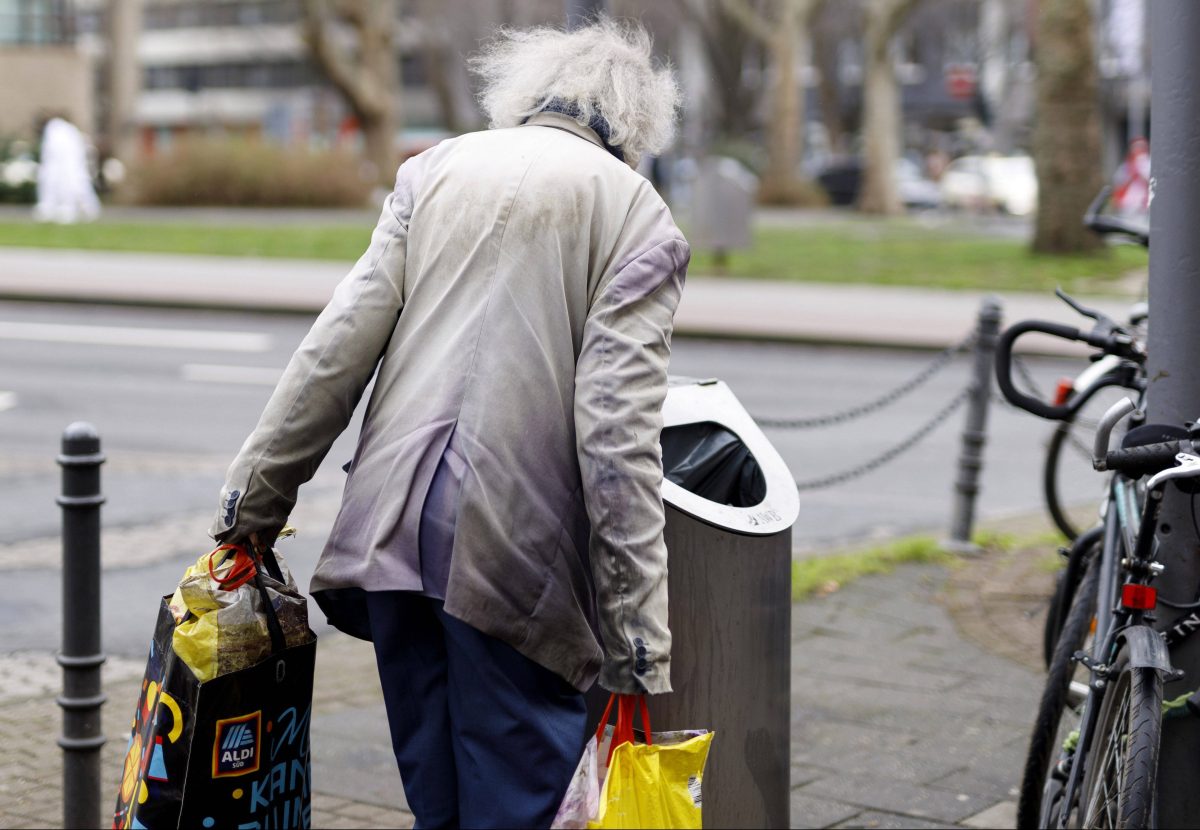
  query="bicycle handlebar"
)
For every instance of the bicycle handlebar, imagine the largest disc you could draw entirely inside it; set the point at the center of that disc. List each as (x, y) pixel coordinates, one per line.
(1112, 224)
(1147, 459)
(1109, 343)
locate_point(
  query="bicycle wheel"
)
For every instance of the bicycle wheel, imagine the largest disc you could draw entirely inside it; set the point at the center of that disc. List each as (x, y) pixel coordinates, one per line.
(1067, 465)
(1047, 758)
(1119, 781)
(1064, 588)
(1062, 436)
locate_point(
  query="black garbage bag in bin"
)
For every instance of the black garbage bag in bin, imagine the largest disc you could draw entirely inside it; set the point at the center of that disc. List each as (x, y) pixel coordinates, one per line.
(709, 460)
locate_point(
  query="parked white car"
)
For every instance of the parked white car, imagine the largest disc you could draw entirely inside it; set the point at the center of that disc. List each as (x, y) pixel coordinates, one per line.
(989, 182)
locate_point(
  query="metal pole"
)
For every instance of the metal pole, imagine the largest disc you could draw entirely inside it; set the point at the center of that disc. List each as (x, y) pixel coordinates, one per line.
(974, 436)
(580, 11)
(1174, 343)
(81, 655)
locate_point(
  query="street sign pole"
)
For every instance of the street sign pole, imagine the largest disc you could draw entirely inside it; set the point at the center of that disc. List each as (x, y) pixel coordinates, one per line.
(1174, 364)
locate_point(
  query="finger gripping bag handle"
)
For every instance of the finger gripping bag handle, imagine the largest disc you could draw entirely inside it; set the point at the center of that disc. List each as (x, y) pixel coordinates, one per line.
(627, 708)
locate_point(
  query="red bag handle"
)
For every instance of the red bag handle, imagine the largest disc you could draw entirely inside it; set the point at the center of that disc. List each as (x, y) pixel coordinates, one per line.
(623, 731)
(243, 570)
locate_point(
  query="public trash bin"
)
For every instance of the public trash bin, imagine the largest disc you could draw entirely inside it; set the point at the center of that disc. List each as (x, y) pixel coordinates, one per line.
(730, 506)
(722, 204)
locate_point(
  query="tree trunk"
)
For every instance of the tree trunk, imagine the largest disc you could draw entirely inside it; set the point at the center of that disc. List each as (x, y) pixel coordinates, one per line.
(825, 59)
(379, 146)
(783, 133)
(120, 134)
(882, 121)
(1066, 141)
(726, 48)
(368, 77)
(436, 55)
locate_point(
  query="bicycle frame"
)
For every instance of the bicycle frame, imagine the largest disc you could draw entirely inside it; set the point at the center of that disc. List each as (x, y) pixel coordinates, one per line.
(1130, 548)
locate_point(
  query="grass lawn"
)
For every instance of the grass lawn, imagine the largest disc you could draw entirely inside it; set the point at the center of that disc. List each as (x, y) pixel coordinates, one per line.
(885, 253)
(337, 242)
(903, 254)
(819, 575)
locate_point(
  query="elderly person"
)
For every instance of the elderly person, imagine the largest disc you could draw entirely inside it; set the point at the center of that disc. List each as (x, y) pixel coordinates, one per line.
(500, 536)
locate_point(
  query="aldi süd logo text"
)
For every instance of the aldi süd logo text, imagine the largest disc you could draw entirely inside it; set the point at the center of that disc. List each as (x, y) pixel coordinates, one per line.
(236, 745)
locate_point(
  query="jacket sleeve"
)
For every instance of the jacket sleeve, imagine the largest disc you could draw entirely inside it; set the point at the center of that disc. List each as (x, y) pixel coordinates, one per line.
(620, 384)
(323, 382)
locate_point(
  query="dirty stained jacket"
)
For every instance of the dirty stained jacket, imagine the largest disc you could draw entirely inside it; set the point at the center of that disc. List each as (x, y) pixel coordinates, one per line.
(515, 307)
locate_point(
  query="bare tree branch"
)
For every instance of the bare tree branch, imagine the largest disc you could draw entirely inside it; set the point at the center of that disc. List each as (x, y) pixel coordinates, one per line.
(364, 93)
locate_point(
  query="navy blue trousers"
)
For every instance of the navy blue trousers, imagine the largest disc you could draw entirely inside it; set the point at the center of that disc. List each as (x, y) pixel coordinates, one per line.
(483, 736)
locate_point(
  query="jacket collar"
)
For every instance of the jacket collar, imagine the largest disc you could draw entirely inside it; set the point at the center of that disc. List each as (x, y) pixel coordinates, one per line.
(564, 122)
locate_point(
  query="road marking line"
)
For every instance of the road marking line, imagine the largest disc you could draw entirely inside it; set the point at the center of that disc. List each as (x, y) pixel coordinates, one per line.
(7, 400)
(217, 341)
(248, 375)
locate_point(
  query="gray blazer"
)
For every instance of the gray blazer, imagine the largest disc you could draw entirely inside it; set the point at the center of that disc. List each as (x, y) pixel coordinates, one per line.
(515, 305)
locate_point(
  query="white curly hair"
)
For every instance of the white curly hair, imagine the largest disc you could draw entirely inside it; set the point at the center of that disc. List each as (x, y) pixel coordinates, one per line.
(602, 69)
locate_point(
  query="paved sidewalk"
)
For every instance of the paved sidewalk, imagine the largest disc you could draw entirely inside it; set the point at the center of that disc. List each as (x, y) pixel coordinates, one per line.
(898, 719)
(873, 315)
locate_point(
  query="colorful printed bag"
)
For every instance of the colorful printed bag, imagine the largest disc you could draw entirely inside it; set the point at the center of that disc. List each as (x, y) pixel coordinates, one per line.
(232, 749)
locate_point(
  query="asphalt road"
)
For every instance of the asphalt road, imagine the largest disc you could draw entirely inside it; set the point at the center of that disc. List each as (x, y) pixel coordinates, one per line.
(174, 393)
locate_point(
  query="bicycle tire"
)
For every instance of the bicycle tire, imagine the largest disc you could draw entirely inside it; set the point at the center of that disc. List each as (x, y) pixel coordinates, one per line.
(1054, 448)
(1064, 588)
(1043, 741)
(1137, 725)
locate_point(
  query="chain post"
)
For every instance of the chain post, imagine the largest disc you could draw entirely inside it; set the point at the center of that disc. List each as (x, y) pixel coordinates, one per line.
(81, 655)
(974, 436)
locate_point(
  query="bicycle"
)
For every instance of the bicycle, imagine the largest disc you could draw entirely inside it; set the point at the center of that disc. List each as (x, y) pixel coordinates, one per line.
(1106, 372)
(1105, 768)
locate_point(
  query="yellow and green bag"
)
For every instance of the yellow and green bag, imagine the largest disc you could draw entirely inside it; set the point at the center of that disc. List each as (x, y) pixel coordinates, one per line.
(653, 784)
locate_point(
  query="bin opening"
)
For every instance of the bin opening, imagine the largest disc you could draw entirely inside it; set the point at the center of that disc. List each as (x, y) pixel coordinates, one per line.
(710, 461)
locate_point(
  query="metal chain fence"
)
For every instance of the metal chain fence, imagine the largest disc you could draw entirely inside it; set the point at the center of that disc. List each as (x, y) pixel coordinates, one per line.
(939, 362)
(891, 454)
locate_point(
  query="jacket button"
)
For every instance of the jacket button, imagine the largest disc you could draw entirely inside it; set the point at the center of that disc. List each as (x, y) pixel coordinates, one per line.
(641, 651)
(637, 641)
(640, 666)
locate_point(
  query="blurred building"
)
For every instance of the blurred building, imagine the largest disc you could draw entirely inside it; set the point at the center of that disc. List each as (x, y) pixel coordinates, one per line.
(240, 66)
(43, 69)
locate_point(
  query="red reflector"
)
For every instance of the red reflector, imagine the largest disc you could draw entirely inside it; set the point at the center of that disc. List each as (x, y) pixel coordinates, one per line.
(1065, 387)
(1139, 597)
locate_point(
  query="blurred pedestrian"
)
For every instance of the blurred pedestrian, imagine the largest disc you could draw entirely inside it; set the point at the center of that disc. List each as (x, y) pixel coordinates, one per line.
(64, 185)
(1131, 194)
(502, 515)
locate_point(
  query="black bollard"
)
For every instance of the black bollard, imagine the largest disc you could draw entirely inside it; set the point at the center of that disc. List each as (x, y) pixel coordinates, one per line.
(974, 436)
(81, 655)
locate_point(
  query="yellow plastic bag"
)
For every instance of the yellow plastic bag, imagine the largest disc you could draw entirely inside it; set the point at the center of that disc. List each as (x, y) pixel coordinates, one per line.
(220, 623)
(654, 786)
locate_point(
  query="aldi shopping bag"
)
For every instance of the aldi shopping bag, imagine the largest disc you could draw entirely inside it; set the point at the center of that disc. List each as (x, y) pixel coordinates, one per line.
(219, 737)
(656, 784)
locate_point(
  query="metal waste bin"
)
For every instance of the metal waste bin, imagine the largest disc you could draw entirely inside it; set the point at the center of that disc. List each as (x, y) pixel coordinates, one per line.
(730, 506)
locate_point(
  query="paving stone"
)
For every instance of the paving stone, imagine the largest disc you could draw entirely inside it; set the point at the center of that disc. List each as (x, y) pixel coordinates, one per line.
(887, 821)
(366, 812)
(340, 823)
(803, 773)
(896, 797)
(807, 811)
(897, 720)
(904, 764)
(1002, 815)
(969, 781)
(329, 802)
